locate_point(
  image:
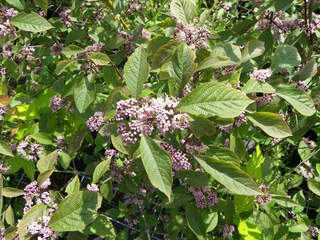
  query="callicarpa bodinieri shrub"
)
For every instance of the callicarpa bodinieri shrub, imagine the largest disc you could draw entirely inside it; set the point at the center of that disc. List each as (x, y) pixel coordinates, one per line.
(160, 119)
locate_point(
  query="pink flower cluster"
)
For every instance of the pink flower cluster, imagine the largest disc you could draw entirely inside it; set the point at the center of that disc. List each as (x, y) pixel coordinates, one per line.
(95, 122)
(56, 49)
(111, 153)
(65, 17)
(27, 53)
(204, 197)
(134, 6)
(93, 187)
(128, 42)
(6, 29)
(303, 86)
(264, 199)
(264, 99)
(7, 50)
(3, 111)
(193, 36)
(41, 229)
(29, 149)
(218, 72)
(99, 14)
(3, 169)
(306, 170)
(36, 194)
(179, 159)
(228, 231)
(242, 119)
(261, 74)
(56, 103)
(145, 115)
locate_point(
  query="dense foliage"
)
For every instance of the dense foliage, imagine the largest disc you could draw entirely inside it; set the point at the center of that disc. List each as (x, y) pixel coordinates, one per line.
(181, 119)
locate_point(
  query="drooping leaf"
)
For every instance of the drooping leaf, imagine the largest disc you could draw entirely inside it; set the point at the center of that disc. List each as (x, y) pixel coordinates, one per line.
(72, 50)
(43, 138)
(48, 162)
(164, 54)
(253, 167)
(309, 70)
(157, 164)
(62, 65)
(182, 66)
(73, 186)
(285, 57)
(271, 123)
(183, 10)
(299, 100)
(100, 170)
(10, 192)
(194, 222)
(84, 95)
(44, 176)
(31, 22)
(215, 99)
(232, 177)
(136, 71)
(76, 211)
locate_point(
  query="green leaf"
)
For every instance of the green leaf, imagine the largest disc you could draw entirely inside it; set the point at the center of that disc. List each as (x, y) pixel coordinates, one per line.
(44, 176)
(211, 221)
(195, 179)
(314, 186)
(10, 192)
(215, 99)
(76, 211)
(5, 149)
(9, 216)
(48, 162)
(221, 56)
(100, 170)
(194, 222)
(299, 99)
(309, 70)
(31, 22)
(255, 86)
(182, 66)
(285, 57)
(72, 50)
(136, 71)
(202, 127)
(84, 95)
(43, 138)
(285, 201)
(157, 164)
(32, 215)
(164, 54)
(253, 167)
(64, 159)
(18, 4)
(253, 49)
(298, 228)
(232, 177)
(271, 123)
(183, 10)
(62, 65)
(102, 227)
(43, 4)
(73, 186)
(99, 58)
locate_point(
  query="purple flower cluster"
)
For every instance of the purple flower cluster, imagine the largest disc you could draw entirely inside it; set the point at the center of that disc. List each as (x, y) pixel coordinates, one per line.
(193, 36)
(228, 231)
(204, 197)
(306, 170)
(225, 128)
(227, 6)
(134, 6)
(148, 114)
(95, 122)
(56, 103)
(26, 53)
(264, 199)
(179, 159)
(128, 44)
(7, 50)
(311, 144)
(261, 74)
(264, 99)
(56, 49)
(29, 150)
(111, 153)
(242, 119)
(60, 141)
(65, 17)
(99, 14)
(6, 29)
(303, 86)
(36, 194)
(96, 47)
(93, 187)
(218, 72)
(314, 232)
(118, 173)
(3, 169)
(41, 229)
(3, 111)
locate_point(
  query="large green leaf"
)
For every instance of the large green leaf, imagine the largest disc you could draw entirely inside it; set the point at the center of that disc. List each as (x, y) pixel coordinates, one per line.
(100, 169)
(10, 192)
(182, 66)
(285, 57)
(221, 56)
(195, 222)
(84, 95)
(5, 149)
(183, 10)
(232, 177)
(215, 99)
(99, 58)
(33, 215)
(253, 49)
(31, 22)
(102, 226)
(47, 162)
(76, 211)
(255, 86)
(271, 123)
(299, 99)
(136, 71)
(157, 164)
(71, 50)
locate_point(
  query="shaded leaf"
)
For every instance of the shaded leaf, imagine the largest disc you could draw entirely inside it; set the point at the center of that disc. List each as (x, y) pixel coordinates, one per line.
(285, 57)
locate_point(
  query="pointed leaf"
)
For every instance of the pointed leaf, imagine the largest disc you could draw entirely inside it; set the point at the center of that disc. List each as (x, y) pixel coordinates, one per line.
(183, 10)
(84, 95)
(254, 86)
(73, 186)
(47, 162)
(5, 149)
(10, 216)
(99, 58)
(164, 54)
(10, 192)
(100, 170)
(31, 22)
(271, 123)
(157, 164)
(215, 99)
(232, 177)
(136, 71)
